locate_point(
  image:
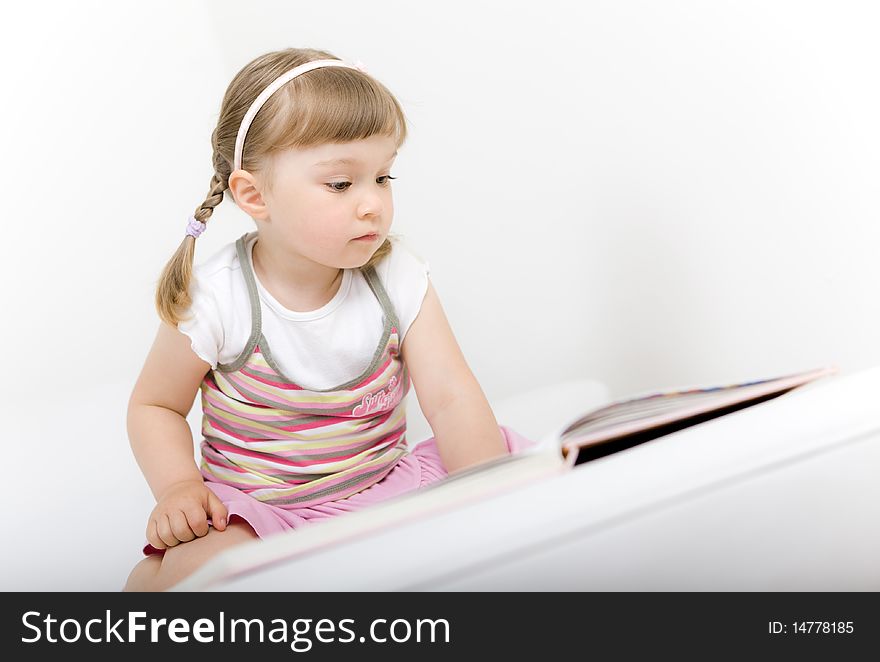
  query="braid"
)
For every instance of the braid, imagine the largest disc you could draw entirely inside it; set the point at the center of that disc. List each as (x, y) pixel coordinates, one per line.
(215, 197)
(172, 292)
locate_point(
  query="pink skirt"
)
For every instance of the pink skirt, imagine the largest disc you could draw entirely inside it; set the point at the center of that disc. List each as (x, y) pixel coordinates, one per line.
(419, 468)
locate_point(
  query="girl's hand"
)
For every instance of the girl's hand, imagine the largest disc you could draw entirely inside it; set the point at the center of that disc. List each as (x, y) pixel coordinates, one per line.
(182, 513)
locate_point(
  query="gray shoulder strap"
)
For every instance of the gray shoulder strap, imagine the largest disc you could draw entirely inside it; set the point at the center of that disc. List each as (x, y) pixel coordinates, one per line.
(256, 321)
(379, 290)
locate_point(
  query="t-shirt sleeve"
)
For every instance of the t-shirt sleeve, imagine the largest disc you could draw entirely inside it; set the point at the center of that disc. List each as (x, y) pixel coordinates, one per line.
(203, 325)
(405, 277)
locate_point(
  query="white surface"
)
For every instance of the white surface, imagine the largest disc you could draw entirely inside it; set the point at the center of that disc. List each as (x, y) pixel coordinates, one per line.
(779, 496)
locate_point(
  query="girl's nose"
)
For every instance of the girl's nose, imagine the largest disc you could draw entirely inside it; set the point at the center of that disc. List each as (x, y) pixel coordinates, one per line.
(370, 205)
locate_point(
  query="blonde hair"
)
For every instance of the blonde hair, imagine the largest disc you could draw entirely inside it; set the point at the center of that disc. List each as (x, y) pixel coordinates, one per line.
(329, 104)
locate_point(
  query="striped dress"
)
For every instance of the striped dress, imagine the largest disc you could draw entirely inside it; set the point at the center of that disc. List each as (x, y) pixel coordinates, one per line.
(289, 446)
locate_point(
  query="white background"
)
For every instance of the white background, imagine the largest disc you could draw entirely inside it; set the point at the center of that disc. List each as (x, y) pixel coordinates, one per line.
(646, 194)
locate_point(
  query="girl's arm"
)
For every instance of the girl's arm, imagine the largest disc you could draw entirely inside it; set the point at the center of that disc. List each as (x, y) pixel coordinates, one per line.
(162, 442)
(464, 426)
(162, 397)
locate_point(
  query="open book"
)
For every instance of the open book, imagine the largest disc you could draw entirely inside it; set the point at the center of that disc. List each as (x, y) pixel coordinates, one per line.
(596, 433)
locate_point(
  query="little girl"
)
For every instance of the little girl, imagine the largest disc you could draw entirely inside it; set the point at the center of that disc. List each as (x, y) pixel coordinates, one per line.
(303, 335)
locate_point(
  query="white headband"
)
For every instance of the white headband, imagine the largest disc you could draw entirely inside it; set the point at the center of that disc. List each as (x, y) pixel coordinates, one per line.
(272, 88)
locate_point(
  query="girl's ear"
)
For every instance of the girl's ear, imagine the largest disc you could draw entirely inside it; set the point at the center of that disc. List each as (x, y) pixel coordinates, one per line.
(243, 187)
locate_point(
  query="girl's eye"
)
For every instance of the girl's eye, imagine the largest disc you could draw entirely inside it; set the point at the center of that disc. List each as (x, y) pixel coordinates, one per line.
(334, 185)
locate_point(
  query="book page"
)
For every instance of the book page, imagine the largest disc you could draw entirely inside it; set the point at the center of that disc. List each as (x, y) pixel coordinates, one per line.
(633, 414)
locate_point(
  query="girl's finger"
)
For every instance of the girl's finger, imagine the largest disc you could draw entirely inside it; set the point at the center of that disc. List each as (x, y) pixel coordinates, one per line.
(153, 535)
(217, 511)
(197, 520)
(180, 527)
(163, 528)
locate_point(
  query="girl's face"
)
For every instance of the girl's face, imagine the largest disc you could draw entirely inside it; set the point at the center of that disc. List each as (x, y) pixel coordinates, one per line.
(325, 198)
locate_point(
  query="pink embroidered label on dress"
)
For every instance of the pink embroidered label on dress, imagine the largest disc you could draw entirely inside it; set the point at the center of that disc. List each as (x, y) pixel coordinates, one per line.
(383, 399)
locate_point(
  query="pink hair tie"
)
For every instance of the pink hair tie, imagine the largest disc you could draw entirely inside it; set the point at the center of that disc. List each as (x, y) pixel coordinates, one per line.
(195, 227)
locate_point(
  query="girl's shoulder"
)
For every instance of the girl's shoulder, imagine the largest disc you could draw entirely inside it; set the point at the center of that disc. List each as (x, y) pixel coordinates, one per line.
(404, 274)
(217, 285)
(219, 307)
(223, 259)
(403, 262)
(218, 274)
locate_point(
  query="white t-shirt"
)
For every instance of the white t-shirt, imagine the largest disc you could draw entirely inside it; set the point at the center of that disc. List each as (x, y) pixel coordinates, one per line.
(318, 349)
